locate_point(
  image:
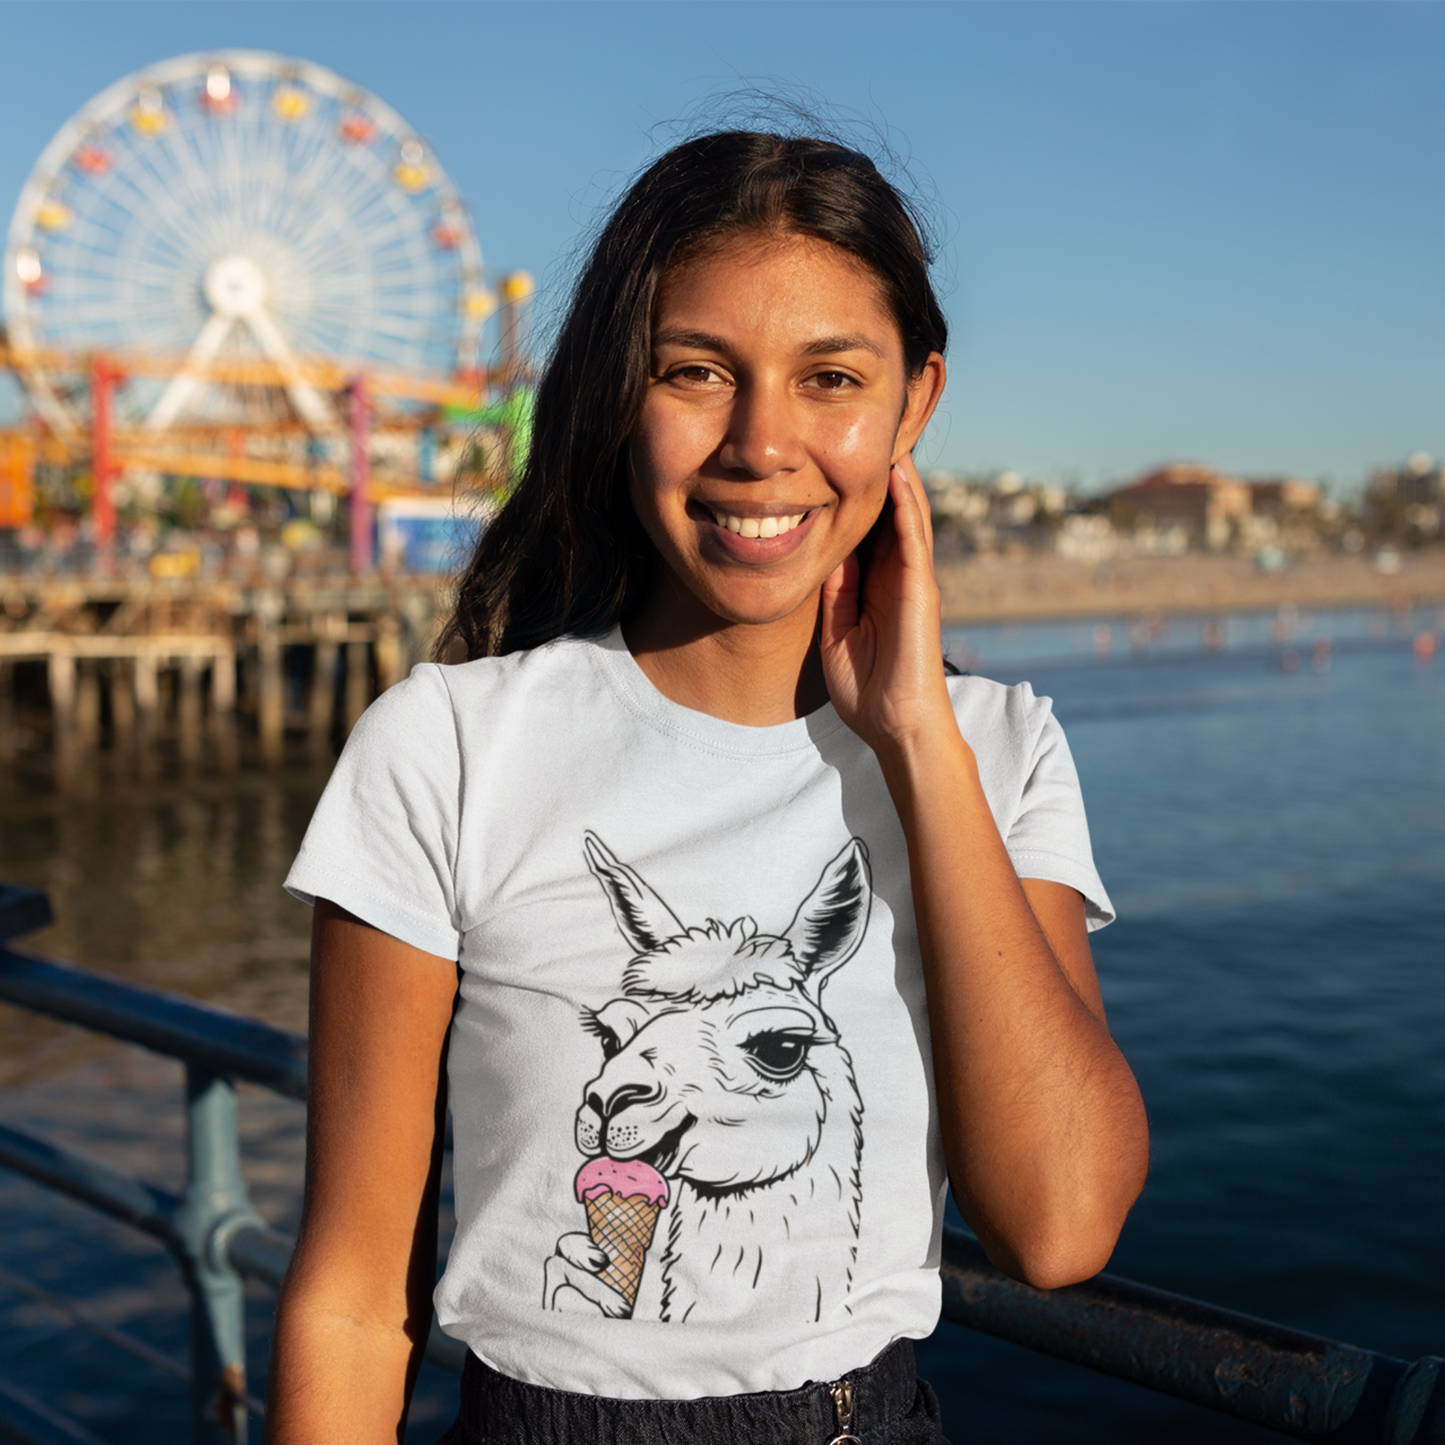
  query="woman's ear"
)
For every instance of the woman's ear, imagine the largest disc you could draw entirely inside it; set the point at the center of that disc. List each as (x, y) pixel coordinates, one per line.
(924, 391)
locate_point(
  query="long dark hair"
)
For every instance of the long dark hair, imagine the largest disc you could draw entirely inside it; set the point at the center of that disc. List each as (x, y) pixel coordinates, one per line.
(567, 553)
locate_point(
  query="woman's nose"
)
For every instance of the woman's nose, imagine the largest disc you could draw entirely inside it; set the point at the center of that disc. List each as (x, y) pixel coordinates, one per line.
(761, 438)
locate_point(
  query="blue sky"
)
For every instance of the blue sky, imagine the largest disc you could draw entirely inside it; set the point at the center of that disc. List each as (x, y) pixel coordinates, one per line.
(1208, 231)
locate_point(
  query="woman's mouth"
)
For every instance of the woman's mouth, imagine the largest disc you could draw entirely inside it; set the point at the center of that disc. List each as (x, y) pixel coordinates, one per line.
(757, 526)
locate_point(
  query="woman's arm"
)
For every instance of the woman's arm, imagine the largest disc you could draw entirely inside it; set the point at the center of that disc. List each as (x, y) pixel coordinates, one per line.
(1043, 1127)
(355, 1307)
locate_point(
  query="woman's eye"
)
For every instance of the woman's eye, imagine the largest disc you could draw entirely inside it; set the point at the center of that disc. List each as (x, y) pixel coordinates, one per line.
(695, 374)
(778, 1056)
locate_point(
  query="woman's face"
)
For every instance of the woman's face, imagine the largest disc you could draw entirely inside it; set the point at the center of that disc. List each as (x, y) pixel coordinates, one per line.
(777, 402)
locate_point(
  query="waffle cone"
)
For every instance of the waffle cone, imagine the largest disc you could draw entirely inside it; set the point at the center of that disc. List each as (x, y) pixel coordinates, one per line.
(622, 1226)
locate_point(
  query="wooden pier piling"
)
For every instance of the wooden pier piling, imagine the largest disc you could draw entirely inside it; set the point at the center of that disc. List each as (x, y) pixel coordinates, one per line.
(358, 683)
(147, 695)
(62, 694)
(120, 676)
(7, 711)
(321, 702)
(87, 702)
(188, 709)
(270, 696)
(191, 669)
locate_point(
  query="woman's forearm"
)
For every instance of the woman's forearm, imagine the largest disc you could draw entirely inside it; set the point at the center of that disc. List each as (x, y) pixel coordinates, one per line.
(337, 1373)
(352, 1320)
(355, 1307)
(1043, 1127)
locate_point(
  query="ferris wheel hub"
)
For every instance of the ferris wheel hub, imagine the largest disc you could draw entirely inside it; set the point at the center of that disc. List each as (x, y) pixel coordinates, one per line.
(235, 287)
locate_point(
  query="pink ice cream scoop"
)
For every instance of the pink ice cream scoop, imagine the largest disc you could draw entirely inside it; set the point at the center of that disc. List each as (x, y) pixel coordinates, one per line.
(623, 1199)
(623, 1177)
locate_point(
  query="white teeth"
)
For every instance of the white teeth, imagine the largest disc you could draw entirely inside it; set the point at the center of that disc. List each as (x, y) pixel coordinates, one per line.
(758, 526)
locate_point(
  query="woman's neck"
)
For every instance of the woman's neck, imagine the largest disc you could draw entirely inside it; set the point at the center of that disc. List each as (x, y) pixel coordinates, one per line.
(757, 674)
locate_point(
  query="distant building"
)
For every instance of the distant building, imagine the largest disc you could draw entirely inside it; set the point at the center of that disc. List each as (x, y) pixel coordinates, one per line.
(997, 512)
(1288, 494)
(1418, 481)
(1407, 501)
(1215, 509)
(1212, 506)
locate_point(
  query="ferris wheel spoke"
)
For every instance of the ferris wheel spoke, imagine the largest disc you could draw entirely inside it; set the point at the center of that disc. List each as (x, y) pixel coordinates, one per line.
(185, 382)
(338, 265)
(164, 206)
(366, 180)
(312, 407)
(314, 156)
(336, 222)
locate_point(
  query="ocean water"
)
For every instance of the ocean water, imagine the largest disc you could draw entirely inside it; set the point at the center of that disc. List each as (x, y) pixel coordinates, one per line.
(1270, 821)
(1267, 800)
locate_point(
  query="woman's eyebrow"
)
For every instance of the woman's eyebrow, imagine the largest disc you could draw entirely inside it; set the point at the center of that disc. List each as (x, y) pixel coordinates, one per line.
(830, 345)
(823, 346)
(696, 340)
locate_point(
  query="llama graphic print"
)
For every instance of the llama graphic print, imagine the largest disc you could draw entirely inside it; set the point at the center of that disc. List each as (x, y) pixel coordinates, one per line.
(723, 1102)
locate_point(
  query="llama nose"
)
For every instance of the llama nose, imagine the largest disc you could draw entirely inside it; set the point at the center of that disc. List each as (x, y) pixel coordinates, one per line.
(622, 1096)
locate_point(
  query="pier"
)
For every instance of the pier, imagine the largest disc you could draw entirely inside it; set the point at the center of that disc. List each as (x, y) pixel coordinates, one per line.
(140, 665)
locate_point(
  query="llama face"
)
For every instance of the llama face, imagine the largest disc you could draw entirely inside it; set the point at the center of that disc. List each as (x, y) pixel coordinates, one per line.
(719, 1064)
(727, 1094)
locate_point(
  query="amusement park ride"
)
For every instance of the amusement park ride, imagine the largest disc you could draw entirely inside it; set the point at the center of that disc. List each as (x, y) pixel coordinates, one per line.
(241, 268)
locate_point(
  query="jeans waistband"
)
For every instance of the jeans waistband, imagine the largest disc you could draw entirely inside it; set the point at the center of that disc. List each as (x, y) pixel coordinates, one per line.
(496, 1408)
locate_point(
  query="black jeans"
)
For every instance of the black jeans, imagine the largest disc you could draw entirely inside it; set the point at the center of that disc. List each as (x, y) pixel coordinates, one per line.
(891, 1406)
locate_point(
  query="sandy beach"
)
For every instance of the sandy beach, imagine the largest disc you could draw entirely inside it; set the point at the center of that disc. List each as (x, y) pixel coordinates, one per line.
(992, 589)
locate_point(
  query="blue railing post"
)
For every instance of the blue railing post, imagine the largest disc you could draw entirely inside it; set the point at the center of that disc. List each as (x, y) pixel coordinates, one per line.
(214, 1206)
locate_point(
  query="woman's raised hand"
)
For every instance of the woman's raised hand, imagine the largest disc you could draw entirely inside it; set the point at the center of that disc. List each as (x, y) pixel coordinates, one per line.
(880, 640)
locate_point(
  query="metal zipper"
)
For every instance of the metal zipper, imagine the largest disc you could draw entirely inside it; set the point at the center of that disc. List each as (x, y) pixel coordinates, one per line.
(842, 1393)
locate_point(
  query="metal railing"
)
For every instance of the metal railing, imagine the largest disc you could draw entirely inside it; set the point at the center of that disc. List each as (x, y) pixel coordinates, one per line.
(216, 1236)
(1298, 1384)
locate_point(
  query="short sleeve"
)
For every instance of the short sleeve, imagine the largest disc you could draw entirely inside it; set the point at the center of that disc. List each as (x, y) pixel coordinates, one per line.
(1049, 835)
(382, 842)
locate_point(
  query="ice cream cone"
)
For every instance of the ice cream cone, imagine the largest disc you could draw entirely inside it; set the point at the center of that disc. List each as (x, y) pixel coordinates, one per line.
(622, 1226)
(623, 1199)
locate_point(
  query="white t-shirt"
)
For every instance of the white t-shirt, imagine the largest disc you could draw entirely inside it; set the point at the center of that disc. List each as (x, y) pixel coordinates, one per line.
(688, 944)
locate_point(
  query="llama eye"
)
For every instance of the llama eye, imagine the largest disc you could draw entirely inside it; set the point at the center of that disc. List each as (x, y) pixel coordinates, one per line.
(777, 1055)
(611, 1044)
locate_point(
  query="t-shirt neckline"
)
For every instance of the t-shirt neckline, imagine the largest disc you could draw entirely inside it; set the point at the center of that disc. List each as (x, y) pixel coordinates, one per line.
(715, 734)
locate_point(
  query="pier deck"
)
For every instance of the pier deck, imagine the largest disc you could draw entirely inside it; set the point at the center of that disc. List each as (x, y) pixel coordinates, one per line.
(130, 662)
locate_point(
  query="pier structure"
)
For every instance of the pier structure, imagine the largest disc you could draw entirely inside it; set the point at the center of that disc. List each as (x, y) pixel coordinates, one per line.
(140, 665)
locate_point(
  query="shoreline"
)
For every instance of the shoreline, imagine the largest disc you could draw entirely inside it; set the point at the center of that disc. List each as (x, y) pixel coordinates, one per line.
(999, 589)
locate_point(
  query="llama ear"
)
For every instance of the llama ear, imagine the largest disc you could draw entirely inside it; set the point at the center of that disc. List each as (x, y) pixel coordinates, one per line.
(833, 918)
(645, 920)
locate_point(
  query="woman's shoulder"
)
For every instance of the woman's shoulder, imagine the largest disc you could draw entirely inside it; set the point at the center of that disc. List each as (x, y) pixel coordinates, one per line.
(1012, 708)
(464, 683)
(442, 710)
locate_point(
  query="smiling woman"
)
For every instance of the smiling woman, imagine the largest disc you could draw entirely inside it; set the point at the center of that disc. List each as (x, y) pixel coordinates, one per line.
(762, 454)
(711, 1077)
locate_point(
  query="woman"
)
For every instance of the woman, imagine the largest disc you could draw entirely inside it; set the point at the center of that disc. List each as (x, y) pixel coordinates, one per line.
(738, 929)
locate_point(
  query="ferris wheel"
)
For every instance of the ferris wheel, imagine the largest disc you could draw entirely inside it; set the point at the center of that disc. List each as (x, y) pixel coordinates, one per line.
(237, 204)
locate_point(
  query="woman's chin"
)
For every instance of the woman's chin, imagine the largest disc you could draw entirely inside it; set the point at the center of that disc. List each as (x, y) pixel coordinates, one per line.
(764, 607)
(689, 599)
